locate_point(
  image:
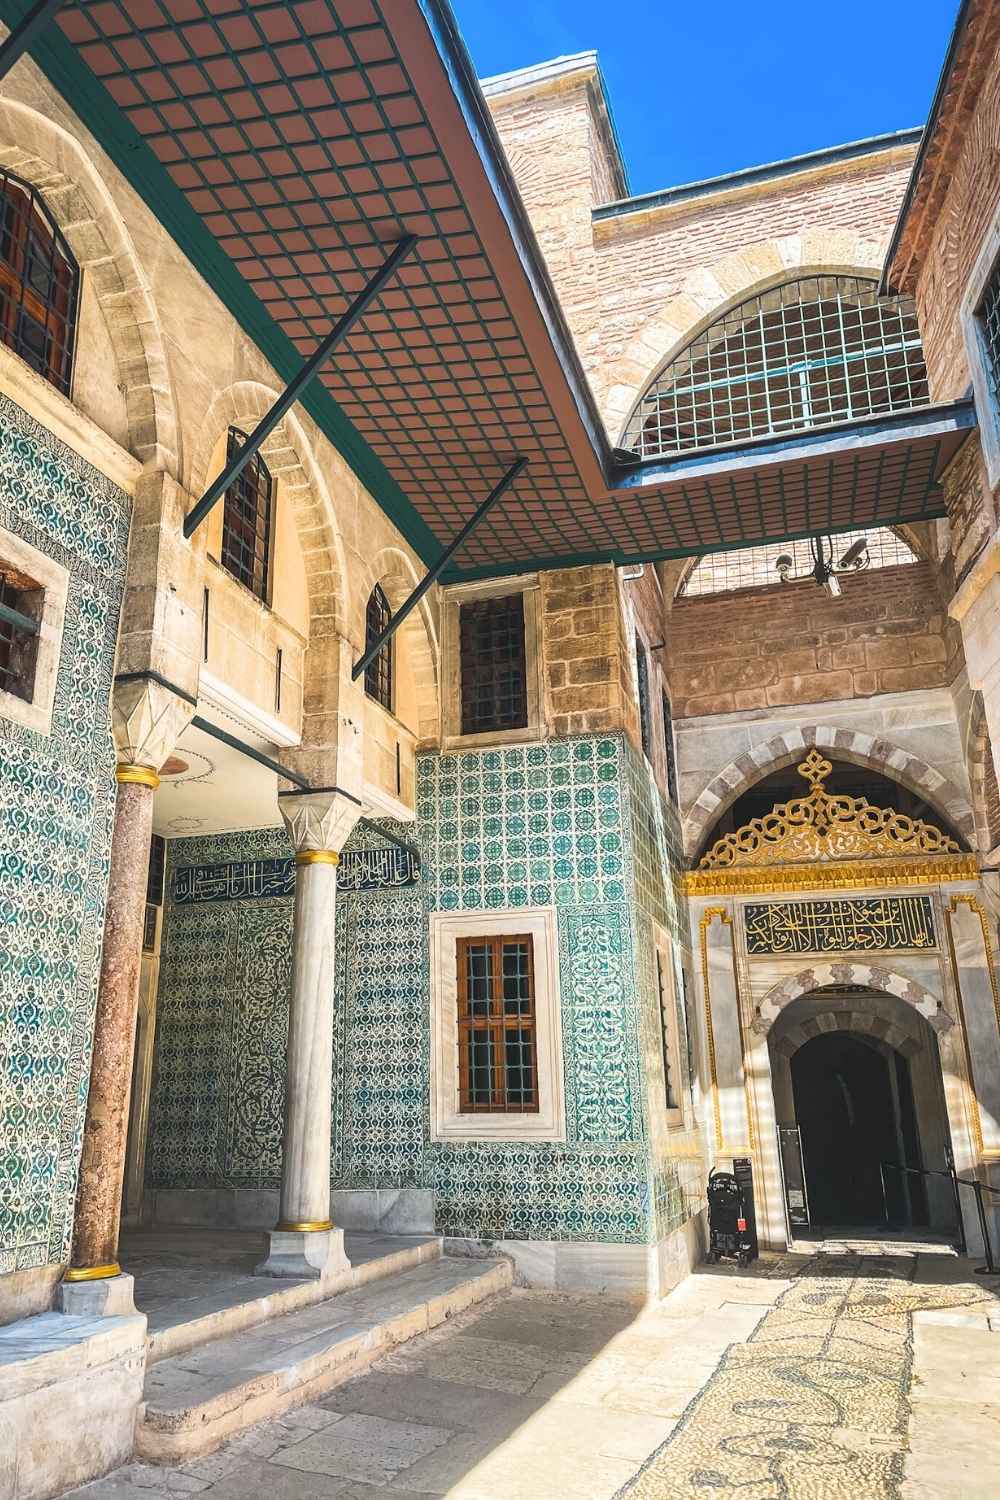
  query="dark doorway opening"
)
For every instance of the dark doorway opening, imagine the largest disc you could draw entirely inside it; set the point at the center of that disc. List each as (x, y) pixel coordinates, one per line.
(854, 1107)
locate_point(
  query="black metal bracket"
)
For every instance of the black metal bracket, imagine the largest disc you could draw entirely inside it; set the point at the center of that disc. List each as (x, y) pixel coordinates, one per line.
(294, 389)
(435, 572)
(24, 34)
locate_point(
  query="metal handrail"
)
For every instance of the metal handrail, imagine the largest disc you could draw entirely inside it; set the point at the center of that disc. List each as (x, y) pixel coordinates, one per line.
(989, 1269)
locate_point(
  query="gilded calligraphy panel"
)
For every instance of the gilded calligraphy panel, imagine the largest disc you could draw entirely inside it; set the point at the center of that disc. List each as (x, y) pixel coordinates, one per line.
(867, 924)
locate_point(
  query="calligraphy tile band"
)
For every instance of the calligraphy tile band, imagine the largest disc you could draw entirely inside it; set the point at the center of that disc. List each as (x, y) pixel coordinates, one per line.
(882, 924)
(262, 879)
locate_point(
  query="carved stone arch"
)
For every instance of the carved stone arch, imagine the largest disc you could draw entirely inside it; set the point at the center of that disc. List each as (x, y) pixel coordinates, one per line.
(396, 573)
(881, 1015)
(982, 777)
(710, 291)
(48, 157)
(859, 749)
(289, 456)
(836, 973)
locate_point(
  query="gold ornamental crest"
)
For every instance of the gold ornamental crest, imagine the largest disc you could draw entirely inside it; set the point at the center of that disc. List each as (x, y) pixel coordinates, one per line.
(822, 825)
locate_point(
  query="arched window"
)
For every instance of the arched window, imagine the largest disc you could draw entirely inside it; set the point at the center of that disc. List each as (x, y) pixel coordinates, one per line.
(808, 353)
(39, 284)
(247, 521)
(378, 673)
(755, 567)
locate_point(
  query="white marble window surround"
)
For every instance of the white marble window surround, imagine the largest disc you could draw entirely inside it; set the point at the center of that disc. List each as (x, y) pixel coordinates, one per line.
(27, 562)
(452, 598)
(667, 1000)
(447, 1122)
(987, 402)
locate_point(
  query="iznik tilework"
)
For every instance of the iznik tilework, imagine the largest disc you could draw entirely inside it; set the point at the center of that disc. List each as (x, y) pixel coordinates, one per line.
(56, 809)
(531, 825)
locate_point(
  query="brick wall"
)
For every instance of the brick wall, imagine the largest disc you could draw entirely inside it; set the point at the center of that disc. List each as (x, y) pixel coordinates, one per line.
(762, 648)
(639, 269)
(613, 276)
(958, 237)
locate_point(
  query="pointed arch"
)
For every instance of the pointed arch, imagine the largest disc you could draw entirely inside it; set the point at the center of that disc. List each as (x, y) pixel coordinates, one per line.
(710, 291)
(54, 162)
(877, 754)
(393, 569)
(982, 777)
(290, 458)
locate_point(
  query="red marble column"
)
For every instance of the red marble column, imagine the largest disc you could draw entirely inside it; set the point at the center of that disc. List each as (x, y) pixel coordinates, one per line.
(102, 1164)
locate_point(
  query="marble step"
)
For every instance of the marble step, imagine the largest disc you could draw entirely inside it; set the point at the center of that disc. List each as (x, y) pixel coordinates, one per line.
(180, 1324)
(193, 1402)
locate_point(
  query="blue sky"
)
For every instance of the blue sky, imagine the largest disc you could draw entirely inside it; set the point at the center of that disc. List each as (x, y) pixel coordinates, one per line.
(699, 89)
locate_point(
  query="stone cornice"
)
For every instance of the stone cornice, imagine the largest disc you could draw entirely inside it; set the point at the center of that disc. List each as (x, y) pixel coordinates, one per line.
(885, 874)
(636, 214)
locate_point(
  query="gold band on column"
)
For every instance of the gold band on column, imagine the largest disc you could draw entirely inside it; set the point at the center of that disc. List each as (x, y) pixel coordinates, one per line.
(304, 1226)
(317, 857)
(92, 1273)
(137, 776)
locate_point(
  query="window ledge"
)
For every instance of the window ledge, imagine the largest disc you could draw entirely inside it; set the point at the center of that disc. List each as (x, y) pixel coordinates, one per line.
(57, 414)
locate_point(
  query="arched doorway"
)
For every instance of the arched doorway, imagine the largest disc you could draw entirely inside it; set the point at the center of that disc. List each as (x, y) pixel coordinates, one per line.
(858, 1089)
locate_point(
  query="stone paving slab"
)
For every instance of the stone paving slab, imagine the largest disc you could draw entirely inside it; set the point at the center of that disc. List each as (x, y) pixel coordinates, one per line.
(823, 1377)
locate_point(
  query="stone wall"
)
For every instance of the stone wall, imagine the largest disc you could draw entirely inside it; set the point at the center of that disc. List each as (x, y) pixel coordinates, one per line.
(56, 806)
(616, 276)
(764, 648)
(571, 824)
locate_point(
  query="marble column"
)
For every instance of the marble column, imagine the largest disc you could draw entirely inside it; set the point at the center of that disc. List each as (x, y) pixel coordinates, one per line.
(305, 1242)
(94, 1282)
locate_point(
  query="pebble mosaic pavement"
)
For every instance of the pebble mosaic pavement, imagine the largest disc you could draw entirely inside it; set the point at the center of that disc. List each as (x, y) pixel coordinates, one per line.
(814, 1404)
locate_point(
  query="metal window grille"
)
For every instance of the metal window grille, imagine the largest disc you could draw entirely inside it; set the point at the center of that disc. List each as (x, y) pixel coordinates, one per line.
(494, 677)
(754, 567)
(989, 316)
(642, 682)
(668, 746)
(20, 612)
(668, 1034)
(808, 353)
(39, 284)
(378, 673)
(497, 1061)
(246, 521)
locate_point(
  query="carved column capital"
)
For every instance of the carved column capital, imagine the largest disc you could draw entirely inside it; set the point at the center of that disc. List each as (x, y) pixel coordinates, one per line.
(147, 720)
(319, 822)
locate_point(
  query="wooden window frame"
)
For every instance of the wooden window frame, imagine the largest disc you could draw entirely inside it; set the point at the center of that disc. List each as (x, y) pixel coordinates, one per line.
(257, 579)
(379, 681)
(497, 1023)
(24, 217)
(669, 746)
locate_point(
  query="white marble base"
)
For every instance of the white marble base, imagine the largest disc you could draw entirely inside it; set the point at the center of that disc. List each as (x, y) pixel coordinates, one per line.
(304, 1254)
(634, 1272)
(382, 1210)
(70, 1390)
(107, 1297)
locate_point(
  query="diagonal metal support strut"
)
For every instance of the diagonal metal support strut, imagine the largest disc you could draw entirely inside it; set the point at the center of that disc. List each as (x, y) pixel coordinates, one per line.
(294, 389)
(26, 32)
(431, 577)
